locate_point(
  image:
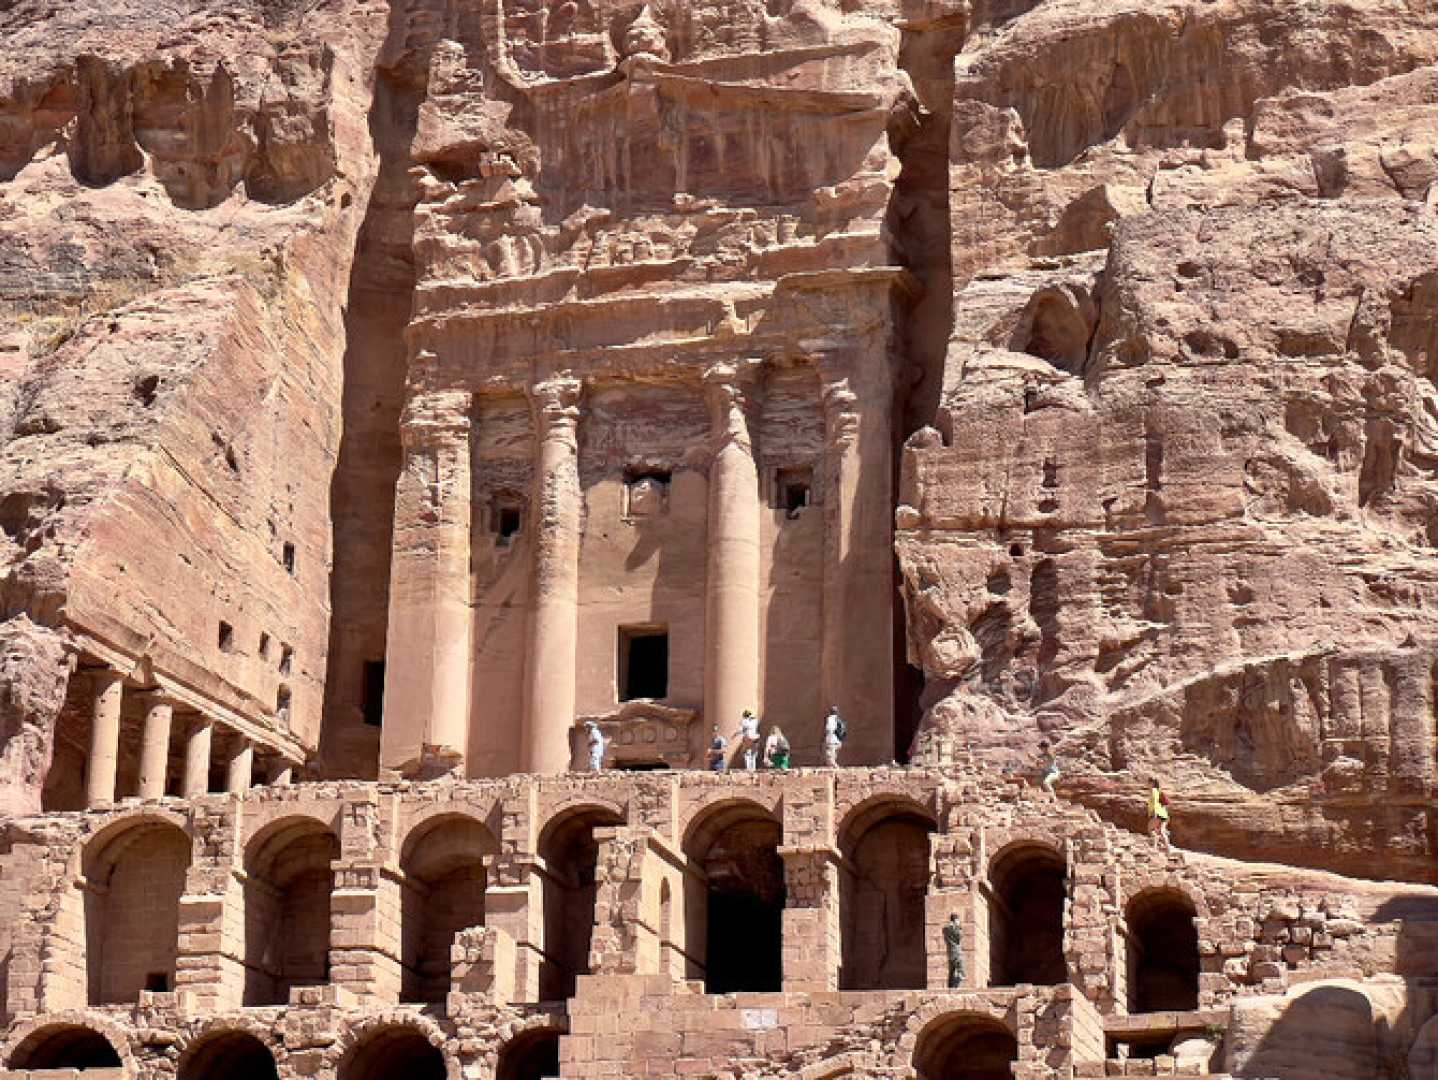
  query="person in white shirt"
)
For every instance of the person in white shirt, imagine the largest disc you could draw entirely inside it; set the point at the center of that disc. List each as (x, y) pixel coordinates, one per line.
(749, 739)
(597, 743)
(834, 732)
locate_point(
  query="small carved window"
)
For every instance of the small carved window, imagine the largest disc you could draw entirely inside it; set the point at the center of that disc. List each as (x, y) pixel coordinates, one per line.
(226, 637)
(793, 489)
(287, 659)
(646, 492)
(506, 518)
(288, 557)
(643, 662)
(282, 705)
(264, 645)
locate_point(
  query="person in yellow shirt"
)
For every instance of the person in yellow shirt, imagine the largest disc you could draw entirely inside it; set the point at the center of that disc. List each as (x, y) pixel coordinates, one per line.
(1158, 814)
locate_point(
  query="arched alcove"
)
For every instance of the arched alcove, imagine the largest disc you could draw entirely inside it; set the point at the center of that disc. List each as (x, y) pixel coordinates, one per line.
(1162, 952)
(966, 1047)
(885, 883)
(1026, 917)
(529, 1056)
(224, 1055)
(64, 1046)
(134, 876)
(739, 912)
(444, 885)
(287, 909)
(570, 853)
(393, 1053)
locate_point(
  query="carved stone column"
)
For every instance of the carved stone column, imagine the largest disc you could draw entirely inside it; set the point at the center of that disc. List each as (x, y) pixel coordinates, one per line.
(108, 690)
(197, 758)
(429, 645)
(554, 615)
(155, 747)
(240, 773)
(857, 643)
(731, 625)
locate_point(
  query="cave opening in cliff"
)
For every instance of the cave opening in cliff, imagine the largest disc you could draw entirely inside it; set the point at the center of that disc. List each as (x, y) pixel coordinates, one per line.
(1028, 887)
(741, 904)
(228, 1053)
(883, 918)
(288, 884)
(389, 1052)
(571, 854)
(443, 893)
(64, 1046)
(134, 875)
(965, 1047)
(530, 1056)
(1163, 964)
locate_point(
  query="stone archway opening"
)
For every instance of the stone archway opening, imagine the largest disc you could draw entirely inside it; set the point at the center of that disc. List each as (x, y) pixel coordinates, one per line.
(1026, 918)
(443, 893)
(570, 853)
(736, 848)
(133, 883)
(287, 910)
(392, 1052)
(226, 1054)
(65, 1046)
(966, 1048)
(530, 1056)
(1163, 962)
(882, 925)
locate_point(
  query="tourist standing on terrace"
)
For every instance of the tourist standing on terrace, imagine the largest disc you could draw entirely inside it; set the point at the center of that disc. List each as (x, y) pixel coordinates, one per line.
(835, 731)
(749, 739)
(597, 743)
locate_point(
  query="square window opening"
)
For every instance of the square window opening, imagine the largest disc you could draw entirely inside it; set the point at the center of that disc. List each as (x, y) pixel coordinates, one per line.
(646, 491)
(643, 662)
(507, 522)
(157, 982)
(226, 637)
(372, 701)
(793, 489)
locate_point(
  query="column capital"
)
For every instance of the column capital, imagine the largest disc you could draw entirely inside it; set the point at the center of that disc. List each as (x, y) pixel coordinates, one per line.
(729, 386)
(555, 403)
(841, 413)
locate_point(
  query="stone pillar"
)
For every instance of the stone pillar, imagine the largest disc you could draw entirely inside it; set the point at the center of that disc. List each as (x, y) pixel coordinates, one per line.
(514, 904)
(554, 615)
(731, 624)
(812, 933)
(429, 651)
(108, 690)
(197, 758)
(241, 767)
(856, 669)
(155, 747)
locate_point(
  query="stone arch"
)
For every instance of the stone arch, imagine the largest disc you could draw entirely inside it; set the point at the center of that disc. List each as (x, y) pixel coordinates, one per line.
(884, 884)
(270, 817)
(69, 1040)
(442, 893)
(570, 853)
(484, 812)
(965, 1045)
(1028, 894)
(529, 1055)
(229, 1050)
(132, 875)
(288, 884)
(737, 894)
(701, 813)
(395, 1045)
(1162, 951)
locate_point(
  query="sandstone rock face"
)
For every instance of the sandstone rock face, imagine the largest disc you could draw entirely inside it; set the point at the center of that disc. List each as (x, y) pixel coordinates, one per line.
(1174, 510)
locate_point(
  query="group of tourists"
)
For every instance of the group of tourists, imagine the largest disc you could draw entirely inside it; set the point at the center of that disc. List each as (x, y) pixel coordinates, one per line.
(773, 751)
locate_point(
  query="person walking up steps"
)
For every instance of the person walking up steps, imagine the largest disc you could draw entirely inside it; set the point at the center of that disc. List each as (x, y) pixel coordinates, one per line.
(749, 739)
(1051, 769)
(1158, 814)
(835, 731)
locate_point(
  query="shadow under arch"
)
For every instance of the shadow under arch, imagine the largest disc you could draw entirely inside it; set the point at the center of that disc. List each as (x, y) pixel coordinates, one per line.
(1325, 1030)
(224, 1053)
(965, 1046)
(64, 1046)
(1028, 883)
(530, 1055)
(738, 896)
(442, 892)
(391, 1051)
(288, 885)
(571, 854)
(1162, 945)
(134, 871)
(883, 886)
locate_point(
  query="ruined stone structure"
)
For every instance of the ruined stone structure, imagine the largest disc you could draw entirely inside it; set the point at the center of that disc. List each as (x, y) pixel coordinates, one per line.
(389, 387)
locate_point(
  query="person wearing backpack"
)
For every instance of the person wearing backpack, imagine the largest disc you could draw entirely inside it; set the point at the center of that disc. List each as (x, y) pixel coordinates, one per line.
(835, 732)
